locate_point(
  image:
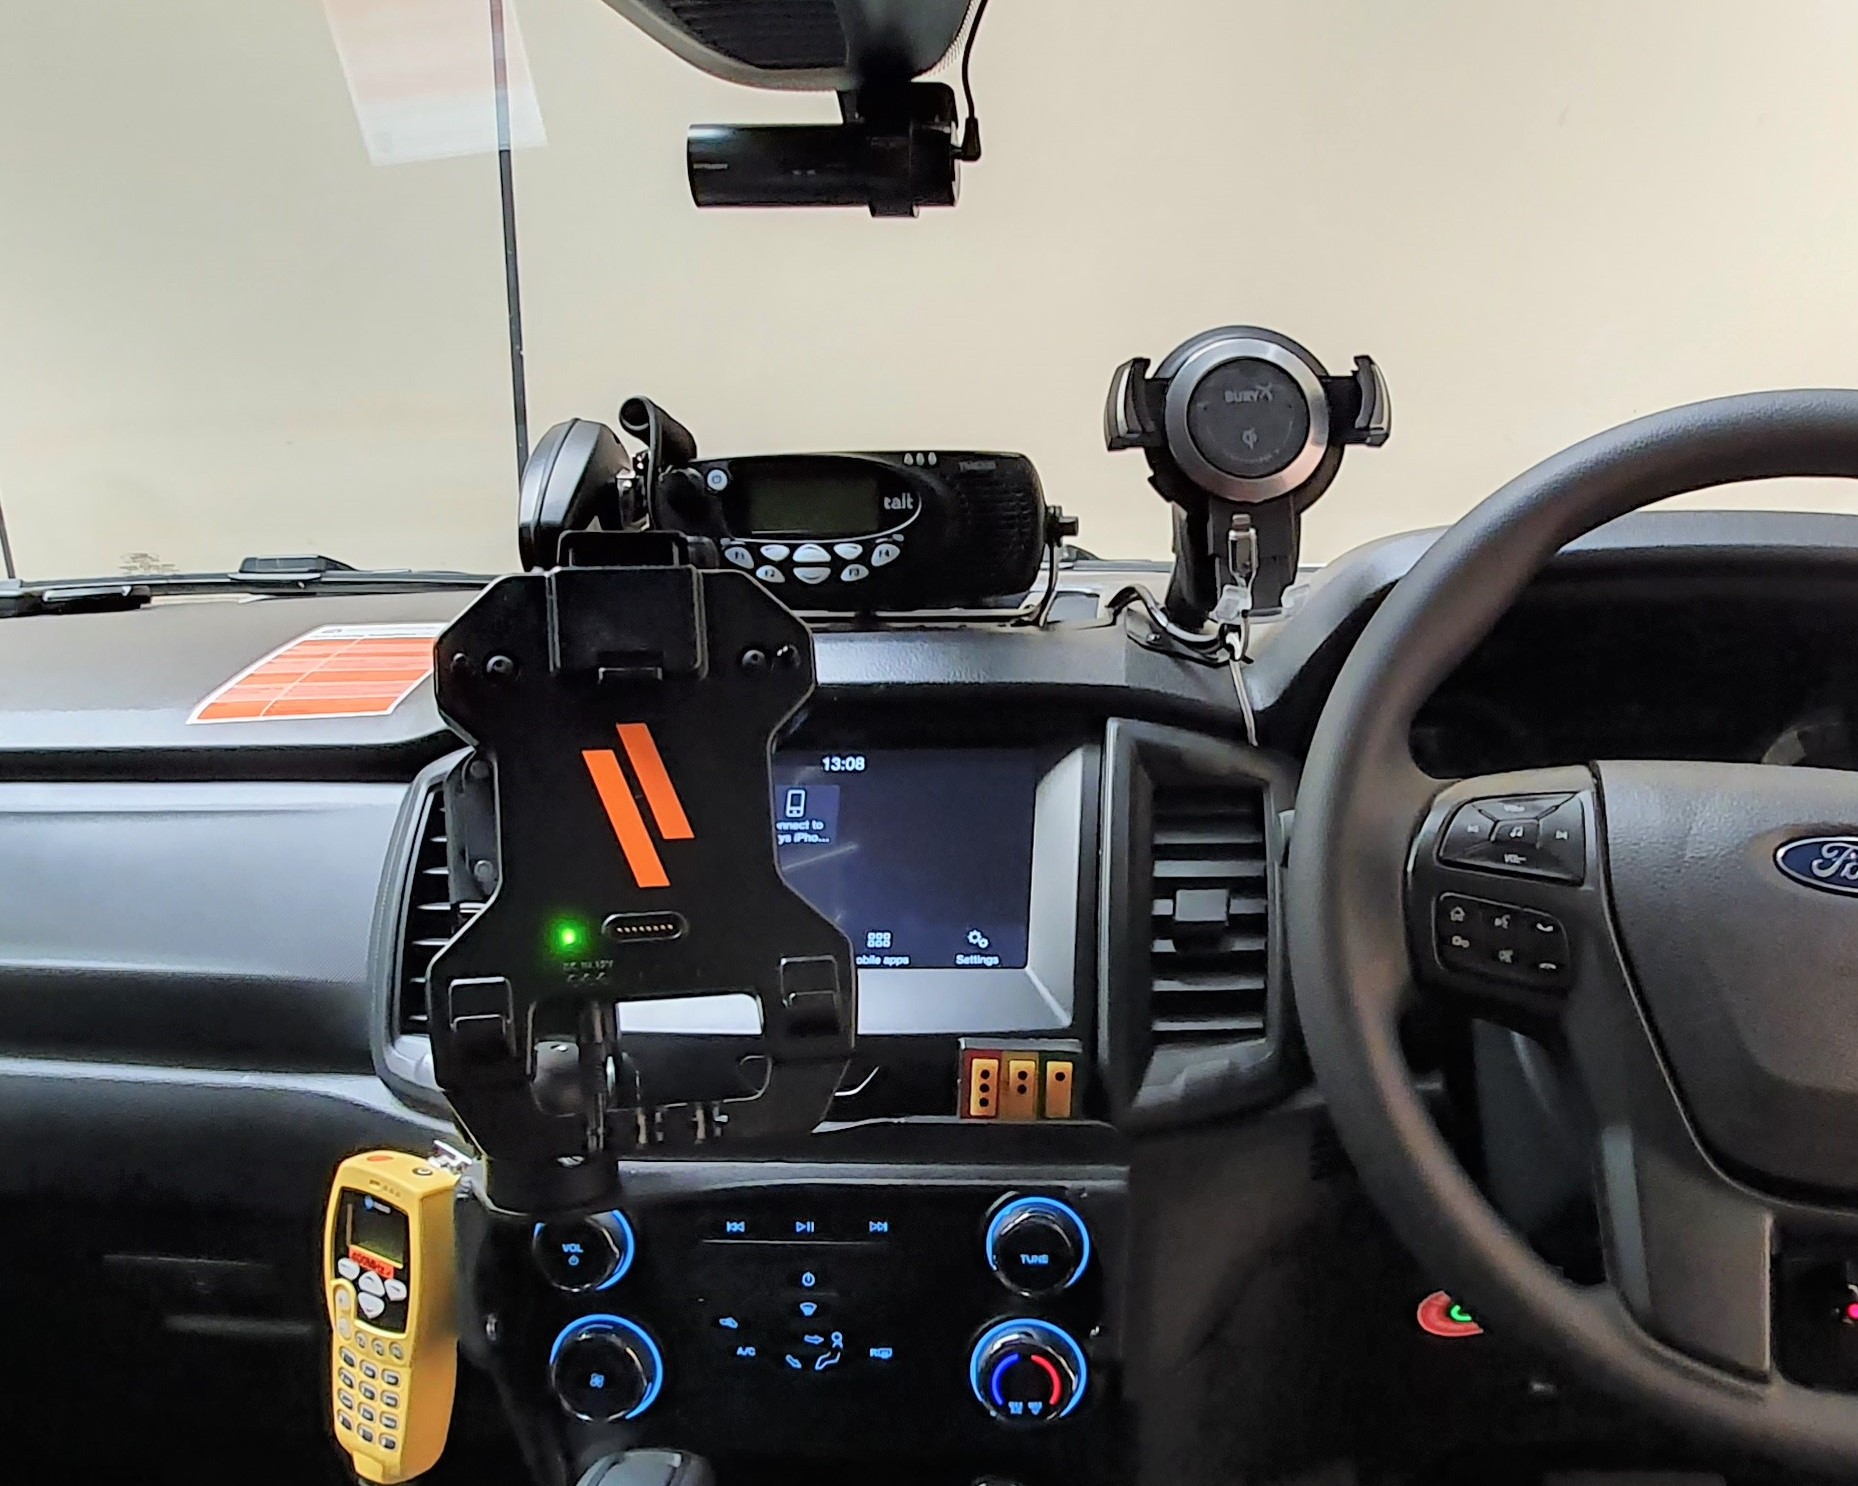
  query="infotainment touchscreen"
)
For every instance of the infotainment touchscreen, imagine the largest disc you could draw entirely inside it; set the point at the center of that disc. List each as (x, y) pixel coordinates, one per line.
(922, 856)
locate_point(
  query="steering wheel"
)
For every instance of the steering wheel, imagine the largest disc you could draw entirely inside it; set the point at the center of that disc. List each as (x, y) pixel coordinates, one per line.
(1665, 929)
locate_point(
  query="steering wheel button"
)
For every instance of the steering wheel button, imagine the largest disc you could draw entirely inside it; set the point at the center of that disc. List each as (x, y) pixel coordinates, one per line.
(1470, 828)
(1564, 839)
(1520, 807)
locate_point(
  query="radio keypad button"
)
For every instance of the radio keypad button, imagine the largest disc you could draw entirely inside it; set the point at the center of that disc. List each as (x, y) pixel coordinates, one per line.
(811, 552)
(770, 574)
(850, 551)
(853, 571)
(812, 575)
(774, 551)
(740, 556)
(885, 552)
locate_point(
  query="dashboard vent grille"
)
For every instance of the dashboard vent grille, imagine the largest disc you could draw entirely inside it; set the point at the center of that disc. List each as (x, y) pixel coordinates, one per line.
(430, 918)
(1210, 929)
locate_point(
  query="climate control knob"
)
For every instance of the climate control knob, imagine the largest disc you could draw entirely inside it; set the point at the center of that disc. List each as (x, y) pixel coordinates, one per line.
(604, 1368)
(578, 1254)
(1028, 1372)
(1037, 1245)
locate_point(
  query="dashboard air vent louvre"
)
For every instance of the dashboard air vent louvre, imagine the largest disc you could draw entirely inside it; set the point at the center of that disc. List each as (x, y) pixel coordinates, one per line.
(1210, 926)
(430, 917)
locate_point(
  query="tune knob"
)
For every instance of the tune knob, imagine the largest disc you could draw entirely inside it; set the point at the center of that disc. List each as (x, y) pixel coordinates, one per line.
(604, 1368)
(1028, 1372)
(1037, 1245)
(578, 1254)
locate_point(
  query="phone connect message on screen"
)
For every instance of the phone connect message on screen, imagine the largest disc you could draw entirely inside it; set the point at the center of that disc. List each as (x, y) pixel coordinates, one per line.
(922, 857)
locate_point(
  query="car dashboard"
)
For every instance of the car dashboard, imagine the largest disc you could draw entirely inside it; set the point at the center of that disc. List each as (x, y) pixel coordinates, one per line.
(1058, 854)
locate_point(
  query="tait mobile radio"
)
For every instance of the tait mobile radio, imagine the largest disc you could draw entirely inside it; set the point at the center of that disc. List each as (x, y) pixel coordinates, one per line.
(388, 1268)
(868, 531)
(834, 533)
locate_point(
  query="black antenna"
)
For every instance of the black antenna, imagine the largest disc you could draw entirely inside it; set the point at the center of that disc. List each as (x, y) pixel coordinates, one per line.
(512, 280)
(6, 550)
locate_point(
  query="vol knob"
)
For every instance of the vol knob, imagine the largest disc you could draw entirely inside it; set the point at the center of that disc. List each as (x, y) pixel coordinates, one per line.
(604, 1368)
(1025, 1371)
(578, 1254)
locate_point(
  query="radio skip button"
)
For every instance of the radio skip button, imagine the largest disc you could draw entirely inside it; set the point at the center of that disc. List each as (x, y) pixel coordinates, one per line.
(774, 552)
(885, 552)
(850, 551)
(812, 575)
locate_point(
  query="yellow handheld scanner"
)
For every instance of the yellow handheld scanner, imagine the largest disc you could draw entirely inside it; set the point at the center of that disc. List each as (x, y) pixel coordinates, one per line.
(387, 1280)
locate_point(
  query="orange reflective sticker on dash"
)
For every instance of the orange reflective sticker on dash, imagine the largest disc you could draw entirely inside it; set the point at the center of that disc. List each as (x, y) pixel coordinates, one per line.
(339, 670)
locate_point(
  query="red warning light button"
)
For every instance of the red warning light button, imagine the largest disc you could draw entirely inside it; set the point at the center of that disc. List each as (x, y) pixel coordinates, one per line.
(1440, 1315)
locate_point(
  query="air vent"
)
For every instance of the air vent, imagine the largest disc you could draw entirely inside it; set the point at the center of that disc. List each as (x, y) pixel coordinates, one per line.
(430, 918)
(1211, 925)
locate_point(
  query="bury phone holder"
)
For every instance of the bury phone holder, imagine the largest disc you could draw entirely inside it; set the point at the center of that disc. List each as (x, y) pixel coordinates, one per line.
(1244, 430)
(622, 709)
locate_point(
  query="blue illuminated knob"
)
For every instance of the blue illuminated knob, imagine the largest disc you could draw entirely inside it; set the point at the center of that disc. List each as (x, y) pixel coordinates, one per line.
(580, 1254)
(1028, 1372)
(604, 1368)
(1037, 1245)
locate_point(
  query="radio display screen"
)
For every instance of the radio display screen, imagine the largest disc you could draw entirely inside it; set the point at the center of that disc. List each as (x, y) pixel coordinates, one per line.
(836, 504)
(923, 857)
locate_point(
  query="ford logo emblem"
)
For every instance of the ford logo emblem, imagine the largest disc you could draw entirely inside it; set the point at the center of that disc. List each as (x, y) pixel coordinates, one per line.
(1826, 862)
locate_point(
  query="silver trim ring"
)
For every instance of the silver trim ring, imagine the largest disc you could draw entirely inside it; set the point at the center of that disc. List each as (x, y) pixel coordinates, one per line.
(1209, 476)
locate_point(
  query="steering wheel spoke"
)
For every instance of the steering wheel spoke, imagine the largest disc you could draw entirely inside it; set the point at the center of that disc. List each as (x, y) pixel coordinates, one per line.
(1689, 1250)
(1505, 904)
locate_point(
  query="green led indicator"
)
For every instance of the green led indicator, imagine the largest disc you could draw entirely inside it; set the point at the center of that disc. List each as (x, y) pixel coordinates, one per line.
(568, 936)
(1459, 1314)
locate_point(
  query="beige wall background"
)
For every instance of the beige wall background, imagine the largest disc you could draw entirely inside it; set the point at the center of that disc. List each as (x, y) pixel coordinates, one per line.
(223, 331)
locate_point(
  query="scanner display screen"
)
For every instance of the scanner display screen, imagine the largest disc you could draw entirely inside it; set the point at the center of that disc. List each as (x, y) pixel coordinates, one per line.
(923, 857)
(378, 1228)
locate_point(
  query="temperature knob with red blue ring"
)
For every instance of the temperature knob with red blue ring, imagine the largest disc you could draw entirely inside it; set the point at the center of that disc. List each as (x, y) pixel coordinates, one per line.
(1026, 1371)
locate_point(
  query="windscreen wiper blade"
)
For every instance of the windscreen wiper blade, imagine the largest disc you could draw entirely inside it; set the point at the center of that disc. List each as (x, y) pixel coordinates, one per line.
(262, 575)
